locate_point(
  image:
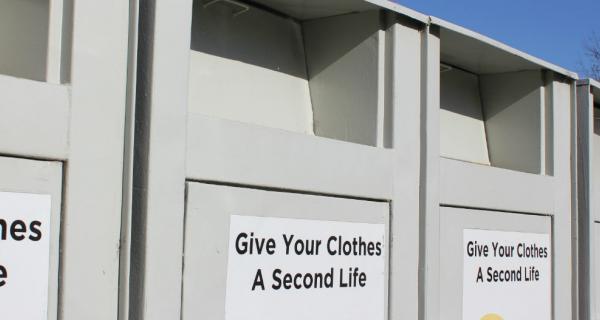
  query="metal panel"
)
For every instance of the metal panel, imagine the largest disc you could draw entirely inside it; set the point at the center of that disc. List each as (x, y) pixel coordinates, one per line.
(94, 175)
(414, 16)
(562, 102)
(462, 130)
(585, 205)
(34, 118)
(513, 104)
(595, 266)
(404, 112)
(208, 212)
(470, 185)
(454, 221)
(586, 198)
(482, 55)
(159, 172)
(249, 68)
(40, 177)
(312, 9)
(430, 177)
(253, 155)
(346, 69)
(125, 272)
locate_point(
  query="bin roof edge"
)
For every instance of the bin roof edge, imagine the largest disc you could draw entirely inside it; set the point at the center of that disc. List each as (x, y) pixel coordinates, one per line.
(443, 24)
(398, 8)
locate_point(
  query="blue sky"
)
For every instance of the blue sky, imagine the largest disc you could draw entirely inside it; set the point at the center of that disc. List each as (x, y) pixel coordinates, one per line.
(553, 30)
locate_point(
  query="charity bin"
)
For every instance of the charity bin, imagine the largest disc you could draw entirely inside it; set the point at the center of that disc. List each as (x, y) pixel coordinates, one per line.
(497, 215)
(265, 123)
(62, 115)
(588, 197)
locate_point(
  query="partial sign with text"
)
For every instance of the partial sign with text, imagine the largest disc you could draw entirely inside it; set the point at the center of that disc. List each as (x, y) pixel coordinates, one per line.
(24, 255)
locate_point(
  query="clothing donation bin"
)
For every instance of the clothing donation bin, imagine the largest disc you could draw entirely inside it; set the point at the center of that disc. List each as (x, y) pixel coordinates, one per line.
(62, 103)
(588, 197)
(277, 161)
(497, 214)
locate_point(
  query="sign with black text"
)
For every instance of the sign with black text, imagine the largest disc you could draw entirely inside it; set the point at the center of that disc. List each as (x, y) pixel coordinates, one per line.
(305, 269)
(507, 275)
(24, 255)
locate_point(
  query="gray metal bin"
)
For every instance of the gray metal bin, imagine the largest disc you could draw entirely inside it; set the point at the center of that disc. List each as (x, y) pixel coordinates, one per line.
(286, 159)
(497, 171)
(63, 76)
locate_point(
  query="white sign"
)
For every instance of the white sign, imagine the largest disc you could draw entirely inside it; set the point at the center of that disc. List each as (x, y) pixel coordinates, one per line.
(305, 269)
(507, 276)
(24, 255)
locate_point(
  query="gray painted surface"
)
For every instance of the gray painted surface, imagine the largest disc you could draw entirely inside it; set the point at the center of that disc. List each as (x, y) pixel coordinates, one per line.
(468, 185)
(345, 58)
(313, 9)
(429, 263)
(249, 68)
(253, 155)
(562, 103)
(208, 212)
(479, 57)
(59, 32)
(94, 171)
(36, 39)
(585, 205)
(34, 118)
(403, 103)
(482, 55)
(39, 177)
(159, 175)
(513, 105)
(252, 68)
(462, 130)
(125, 254)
